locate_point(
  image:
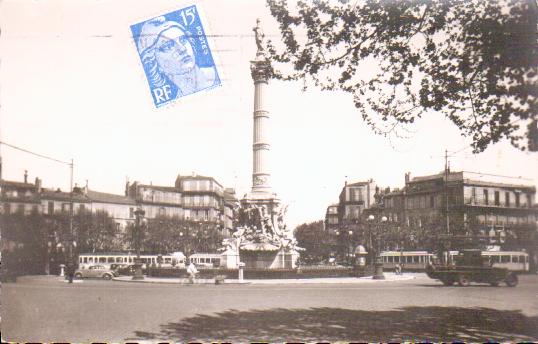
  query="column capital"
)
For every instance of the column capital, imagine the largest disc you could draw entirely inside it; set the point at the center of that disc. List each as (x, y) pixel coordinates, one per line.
(260, 70)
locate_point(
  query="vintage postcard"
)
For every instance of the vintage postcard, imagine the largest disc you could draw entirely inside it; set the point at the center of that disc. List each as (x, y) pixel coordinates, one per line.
(267, 171)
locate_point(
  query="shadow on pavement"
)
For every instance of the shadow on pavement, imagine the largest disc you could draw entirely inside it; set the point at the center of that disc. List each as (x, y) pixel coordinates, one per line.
(335, 324)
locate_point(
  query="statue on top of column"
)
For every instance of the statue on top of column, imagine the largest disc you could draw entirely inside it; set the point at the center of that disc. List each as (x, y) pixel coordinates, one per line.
(258, 33)
(260, 68)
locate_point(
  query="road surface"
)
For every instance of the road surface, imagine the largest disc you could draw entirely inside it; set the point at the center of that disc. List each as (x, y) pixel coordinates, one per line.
(44, 308)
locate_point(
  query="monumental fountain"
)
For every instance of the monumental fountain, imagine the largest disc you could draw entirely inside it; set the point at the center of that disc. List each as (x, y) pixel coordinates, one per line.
(261, 238)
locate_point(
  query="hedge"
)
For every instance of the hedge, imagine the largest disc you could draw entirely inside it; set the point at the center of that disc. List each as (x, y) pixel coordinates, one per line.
(255, 273)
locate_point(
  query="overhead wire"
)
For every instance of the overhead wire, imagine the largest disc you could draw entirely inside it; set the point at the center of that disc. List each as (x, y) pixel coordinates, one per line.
(34, 153)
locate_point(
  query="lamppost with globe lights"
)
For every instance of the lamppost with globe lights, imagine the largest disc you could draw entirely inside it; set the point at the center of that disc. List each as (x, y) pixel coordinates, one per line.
(378, 271)
(139, 213)
(350, 247)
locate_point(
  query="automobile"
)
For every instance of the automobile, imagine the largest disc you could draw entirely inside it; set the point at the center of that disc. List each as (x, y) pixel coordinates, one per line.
(119, 266)
(96, 271)
(123, 269)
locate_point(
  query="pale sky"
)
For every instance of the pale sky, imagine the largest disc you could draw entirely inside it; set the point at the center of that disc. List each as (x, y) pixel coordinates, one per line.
(72, 87)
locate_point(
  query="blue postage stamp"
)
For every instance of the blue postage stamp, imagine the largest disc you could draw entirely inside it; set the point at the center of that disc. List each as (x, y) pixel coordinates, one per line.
(175, 54)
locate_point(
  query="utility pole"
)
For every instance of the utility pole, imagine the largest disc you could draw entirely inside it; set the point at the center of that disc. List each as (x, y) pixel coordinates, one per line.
(446, 193)
(448, 245)
(71, 206)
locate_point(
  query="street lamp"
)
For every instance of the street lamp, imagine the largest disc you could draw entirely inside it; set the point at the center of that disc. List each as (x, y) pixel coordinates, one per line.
(378, 272)
(139, 213)
(370, 220)
(350, 247)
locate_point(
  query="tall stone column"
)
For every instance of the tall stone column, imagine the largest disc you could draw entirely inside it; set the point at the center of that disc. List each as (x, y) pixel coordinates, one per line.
(261, 189)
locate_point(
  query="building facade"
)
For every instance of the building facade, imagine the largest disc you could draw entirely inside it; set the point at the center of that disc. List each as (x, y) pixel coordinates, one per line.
(20, 197)
(463, 202)
(331, 219)
(494, 211)
(354, 199)
(193, 198)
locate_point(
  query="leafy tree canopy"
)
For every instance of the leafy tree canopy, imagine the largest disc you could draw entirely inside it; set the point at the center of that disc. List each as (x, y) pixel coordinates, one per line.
(315, 240)
(474, 61)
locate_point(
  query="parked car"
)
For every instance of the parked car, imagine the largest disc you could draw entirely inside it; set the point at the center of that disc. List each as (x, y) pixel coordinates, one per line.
(119, 266)
(96, 271)
(123, 269)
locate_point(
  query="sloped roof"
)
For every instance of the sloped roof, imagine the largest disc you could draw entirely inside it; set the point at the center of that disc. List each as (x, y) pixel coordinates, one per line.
(4, 182)
(359, 183)
(430, 177)
(56, 195)
(160, 188)
(195, 177)
(103, 197)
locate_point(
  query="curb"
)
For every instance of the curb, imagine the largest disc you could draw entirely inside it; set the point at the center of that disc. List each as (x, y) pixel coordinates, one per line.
(360, 280)
(175, 281)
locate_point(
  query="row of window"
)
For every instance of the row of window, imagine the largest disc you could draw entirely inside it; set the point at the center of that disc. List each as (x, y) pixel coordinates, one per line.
(502, 219)
(201, 201)
(175, 198)
(203, 214)
(357, 194)
(422, 202)
(124, 260)
(509, 259)
(425, 259)
(10, 208)
(205, 260)
(161, 196)
(201, 185)
(472, 196)
(508, 198)
(481, 219)
(15, 193)
(406, 259)
(332, 220)
(20, 208)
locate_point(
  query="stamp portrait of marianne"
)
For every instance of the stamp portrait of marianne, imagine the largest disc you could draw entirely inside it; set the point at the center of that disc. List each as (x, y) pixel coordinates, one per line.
(175, 54)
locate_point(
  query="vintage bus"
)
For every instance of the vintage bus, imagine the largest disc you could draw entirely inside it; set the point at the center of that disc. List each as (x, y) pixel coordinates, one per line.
(512, 260)
(418, 260)
(85, 260)
(410, 260)
(207, 260)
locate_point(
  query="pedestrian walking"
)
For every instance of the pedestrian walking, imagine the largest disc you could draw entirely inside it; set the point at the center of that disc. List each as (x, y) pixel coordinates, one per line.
(192, 271)
(70, 270)
(398, 269)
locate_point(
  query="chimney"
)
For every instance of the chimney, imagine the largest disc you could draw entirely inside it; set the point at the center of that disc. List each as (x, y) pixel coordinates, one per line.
(38, 185)
(407, 177)
(25, 176)
(127, 188)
